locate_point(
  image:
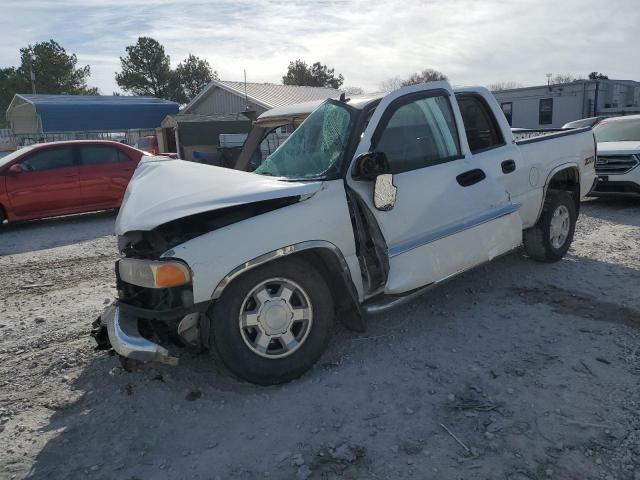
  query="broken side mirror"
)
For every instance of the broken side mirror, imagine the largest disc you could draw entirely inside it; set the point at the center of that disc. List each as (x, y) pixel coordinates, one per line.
(374, 166)
(15, 168)
(384, 192)
(369, 165)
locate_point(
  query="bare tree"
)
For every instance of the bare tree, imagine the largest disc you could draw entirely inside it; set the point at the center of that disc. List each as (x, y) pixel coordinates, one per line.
(353, 90)
(390, 84)
(427, 75)
(561, 79)
(508, 85)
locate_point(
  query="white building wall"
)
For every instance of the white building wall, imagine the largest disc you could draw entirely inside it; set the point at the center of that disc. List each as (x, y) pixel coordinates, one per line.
(567, 105)
(572, 101)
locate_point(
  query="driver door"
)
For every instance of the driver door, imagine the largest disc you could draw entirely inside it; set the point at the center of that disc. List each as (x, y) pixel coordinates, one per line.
(449, 215)
(47, 185)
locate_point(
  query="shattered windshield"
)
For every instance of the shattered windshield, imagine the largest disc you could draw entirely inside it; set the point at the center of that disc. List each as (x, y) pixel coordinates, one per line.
(315, 149)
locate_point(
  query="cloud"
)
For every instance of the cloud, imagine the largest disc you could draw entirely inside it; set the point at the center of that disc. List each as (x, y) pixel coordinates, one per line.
(473, 42)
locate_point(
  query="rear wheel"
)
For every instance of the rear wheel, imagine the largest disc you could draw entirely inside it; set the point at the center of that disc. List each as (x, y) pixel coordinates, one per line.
(273, 323)
(550, 238)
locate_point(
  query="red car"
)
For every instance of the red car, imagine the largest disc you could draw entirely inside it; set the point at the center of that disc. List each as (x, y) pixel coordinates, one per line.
(148, 144)
(60, 178)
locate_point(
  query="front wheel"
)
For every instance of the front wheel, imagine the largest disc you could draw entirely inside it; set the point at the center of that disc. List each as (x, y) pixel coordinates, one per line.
(550, 238)
(273, 323)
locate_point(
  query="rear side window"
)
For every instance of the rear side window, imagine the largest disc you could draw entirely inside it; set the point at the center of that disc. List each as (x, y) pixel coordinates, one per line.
(48, 159)
(98, 154)
(419, 134)
(480, 125)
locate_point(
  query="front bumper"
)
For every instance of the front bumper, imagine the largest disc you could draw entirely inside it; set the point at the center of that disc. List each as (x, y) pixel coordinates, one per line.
(615, 188)
(625, 184)
(125, 338)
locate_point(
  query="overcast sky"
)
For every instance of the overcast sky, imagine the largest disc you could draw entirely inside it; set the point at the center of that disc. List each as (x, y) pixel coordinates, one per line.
(474, 42)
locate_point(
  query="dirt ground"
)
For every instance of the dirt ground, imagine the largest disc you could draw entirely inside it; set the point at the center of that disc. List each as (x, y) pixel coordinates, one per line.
(516, 370)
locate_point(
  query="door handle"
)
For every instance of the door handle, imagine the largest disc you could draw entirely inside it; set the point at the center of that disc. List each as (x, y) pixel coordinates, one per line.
(471, 177)
(508, 166)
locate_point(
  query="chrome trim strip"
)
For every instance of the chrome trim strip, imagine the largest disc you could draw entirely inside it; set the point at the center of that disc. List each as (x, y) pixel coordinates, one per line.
(282, 252)
(409, 245)
(388, 302)
(637, 159)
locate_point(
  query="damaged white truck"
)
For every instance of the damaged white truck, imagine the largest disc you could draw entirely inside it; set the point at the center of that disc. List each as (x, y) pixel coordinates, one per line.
(368, 203)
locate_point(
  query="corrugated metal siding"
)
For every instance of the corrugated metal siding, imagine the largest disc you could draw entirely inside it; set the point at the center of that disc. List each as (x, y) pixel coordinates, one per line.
(221, 101)
(76, 113)
(229, 97)
(281, 95)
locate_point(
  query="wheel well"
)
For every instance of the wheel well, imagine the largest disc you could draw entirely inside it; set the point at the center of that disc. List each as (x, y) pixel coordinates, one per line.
(3, 214)
(567, 179)
(339, 282)
(334, 271)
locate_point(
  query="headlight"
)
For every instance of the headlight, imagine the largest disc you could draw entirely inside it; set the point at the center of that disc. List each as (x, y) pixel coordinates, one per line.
(153, 274)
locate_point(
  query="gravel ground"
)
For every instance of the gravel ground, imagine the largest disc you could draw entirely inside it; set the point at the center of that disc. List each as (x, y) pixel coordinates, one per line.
(516, 370)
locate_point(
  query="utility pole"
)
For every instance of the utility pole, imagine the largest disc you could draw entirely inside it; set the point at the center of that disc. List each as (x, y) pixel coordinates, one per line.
(246, 99)
(32, 75)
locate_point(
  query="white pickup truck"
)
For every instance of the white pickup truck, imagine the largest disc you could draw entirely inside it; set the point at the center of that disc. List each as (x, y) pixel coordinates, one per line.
(368, 203)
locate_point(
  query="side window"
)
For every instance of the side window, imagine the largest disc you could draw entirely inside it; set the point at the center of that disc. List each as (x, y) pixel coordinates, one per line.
(419, 134)
(123, 157)
(97, 154)
(49, 159)
(545, 112)
(479, 124)
(507, 109)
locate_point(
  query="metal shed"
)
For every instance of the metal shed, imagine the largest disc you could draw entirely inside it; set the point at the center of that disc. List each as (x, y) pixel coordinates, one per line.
(56, 117)
(198, 136)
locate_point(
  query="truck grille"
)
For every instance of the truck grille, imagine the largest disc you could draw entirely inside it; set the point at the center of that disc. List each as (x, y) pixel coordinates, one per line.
(616, 164)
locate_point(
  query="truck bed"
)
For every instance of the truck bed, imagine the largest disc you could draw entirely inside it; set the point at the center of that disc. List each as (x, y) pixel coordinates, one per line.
(548, 151)
(530, 135)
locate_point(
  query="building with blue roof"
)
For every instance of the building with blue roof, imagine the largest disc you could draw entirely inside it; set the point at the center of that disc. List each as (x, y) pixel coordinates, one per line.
(57, 117)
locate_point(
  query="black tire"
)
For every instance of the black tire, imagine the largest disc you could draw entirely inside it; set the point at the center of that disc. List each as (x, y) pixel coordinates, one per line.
(537, 239)
(228, 343)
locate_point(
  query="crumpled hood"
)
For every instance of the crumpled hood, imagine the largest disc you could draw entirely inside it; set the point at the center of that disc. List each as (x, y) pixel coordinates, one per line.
(162, 190)
(618, 148)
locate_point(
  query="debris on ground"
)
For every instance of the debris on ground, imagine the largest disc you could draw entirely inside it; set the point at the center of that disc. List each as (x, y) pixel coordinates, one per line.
(534, 368)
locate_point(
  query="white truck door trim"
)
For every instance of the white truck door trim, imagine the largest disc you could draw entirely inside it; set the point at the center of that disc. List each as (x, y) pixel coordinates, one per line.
(485, 217)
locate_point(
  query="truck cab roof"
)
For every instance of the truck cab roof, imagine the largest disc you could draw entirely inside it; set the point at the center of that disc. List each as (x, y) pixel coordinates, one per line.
(297, 112)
